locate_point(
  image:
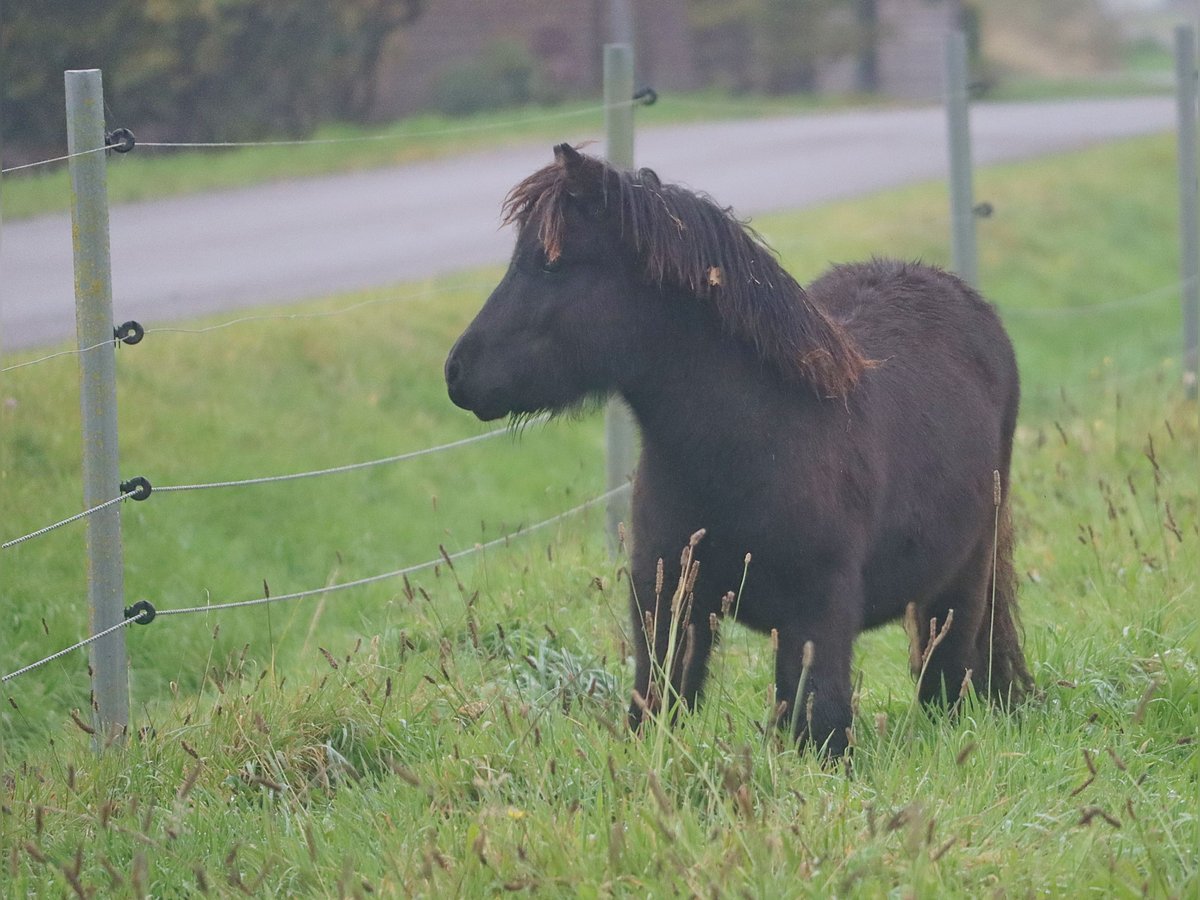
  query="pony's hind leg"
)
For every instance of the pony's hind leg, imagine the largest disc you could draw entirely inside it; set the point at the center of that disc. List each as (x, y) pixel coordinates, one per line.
(982, 643)
(946, 652)
(1005, 677)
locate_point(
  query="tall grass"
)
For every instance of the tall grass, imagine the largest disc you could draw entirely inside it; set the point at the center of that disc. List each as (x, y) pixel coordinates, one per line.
(462, 733)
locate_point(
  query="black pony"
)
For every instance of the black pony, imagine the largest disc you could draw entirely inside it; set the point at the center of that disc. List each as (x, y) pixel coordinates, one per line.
(853, 437)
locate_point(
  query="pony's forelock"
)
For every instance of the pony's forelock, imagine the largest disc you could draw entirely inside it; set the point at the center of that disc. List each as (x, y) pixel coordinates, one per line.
(538, 202)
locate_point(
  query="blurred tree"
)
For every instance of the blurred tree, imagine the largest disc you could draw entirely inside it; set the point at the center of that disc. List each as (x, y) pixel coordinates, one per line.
(366, 26)
(229, 69)
(774, 46)
(866, 13)
(36, 39)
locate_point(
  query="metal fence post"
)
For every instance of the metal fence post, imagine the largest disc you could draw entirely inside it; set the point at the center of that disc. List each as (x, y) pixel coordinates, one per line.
(619, 430)
(3, 444)
(1189, 232)
(964, 257)
(98, 399)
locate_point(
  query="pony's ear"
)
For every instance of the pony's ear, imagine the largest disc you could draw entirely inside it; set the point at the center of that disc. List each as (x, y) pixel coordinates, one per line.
(649, 178)
(584, 180)
(568, 157)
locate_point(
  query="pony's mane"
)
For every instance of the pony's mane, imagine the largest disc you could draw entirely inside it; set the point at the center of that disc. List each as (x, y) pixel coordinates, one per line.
(684, 240)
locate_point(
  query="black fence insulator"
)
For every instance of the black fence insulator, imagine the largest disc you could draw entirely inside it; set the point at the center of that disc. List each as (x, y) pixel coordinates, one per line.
(120, 139)
(647, 95)
(143, 612)
(983, 210)
(129, 333)
(139, 485)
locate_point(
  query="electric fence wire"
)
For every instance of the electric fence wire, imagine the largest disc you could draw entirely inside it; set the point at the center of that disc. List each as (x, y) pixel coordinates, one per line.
(351, 467)
(56, 159)
(502, 541)
(427, 133)
(443, 558)
(65, 650)
(1133, 302)
(419, 294)
(356, 139)
(269, 479)
(75, 518)
(73, 352)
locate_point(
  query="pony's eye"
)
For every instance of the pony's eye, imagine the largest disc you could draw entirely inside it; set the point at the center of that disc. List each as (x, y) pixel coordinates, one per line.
(551, 266)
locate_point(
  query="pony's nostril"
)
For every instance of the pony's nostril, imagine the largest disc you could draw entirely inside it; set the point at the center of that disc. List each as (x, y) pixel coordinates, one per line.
(453, 371)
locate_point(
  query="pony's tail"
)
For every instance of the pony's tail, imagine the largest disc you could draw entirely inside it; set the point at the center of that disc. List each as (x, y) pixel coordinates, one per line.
(1006, 678)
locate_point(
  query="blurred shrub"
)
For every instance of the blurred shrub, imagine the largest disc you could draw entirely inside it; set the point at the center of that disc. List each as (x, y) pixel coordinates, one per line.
(774, 46)
(505, 74)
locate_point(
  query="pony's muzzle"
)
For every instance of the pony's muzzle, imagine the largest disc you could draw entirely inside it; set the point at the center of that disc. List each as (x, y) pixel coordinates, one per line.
(454, 380)
(465, 391)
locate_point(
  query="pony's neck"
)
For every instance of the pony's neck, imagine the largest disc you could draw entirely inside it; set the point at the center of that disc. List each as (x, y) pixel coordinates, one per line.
(700, 391)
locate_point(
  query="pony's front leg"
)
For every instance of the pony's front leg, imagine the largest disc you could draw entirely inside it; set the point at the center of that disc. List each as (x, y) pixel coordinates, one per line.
(815, 682)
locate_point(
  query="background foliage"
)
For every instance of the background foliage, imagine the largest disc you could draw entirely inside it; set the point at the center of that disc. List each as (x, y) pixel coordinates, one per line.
(236, 69)
(775, 46)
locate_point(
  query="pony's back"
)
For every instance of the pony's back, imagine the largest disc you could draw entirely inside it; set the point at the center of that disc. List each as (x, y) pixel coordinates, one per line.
(893, 309)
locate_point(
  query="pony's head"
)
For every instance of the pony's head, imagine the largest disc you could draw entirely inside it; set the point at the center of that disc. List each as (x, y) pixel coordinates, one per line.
(606, 259)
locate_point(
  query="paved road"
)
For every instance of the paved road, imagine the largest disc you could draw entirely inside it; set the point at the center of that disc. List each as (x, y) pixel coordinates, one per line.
(307, 238)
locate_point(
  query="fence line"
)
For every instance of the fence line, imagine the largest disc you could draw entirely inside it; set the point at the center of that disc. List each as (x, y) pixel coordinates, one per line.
(72, 352)
(144, 613)
(399, 457)
(46, 162)
(357, 139)
(1167, 368)
(65, 650)
(75, 518)
(1129, 302)
(444, 557)
(264, 317)
(428, 133)
(1167, 374)
(269, 479)
(1132, 302)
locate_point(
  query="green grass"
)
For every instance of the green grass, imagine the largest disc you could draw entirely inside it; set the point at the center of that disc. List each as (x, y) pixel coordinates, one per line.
(1133, 83)
(150, 173)
(464, 737)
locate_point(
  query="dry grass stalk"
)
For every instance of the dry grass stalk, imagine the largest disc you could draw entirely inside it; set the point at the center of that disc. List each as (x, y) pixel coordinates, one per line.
(912, 630)
(189, 782)
(996, 498)
(1087, 814)
(964, 689)
(806, 663)
(936, 636)
(660, 796)
(1139, 712)
(937, 854)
